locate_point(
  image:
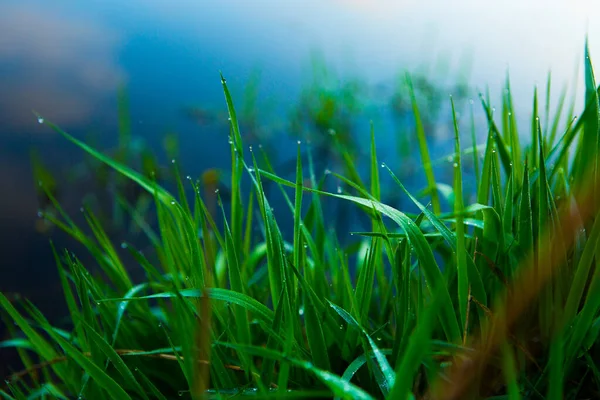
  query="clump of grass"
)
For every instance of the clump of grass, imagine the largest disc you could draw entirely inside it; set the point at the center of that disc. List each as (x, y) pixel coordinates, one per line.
(495, 298)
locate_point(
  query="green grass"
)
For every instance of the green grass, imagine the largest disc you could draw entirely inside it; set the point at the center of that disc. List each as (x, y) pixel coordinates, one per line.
(495, 299)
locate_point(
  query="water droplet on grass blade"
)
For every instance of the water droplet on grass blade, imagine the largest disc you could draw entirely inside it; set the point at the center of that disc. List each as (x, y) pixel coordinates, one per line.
(40, 120)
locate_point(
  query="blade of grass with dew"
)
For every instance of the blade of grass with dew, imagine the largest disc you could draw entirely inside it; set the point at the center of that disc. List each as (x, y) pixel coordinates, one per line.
(388, 373)
(584, 320)
(100, 377)
(225, 295)
(525, 227)
(116, 360)
(473, 274)
(235, 280)
(276, 270)
(41, 345)
(422, 249)
(237, 160)
(298, 246)
(70, 299)
(268, 363)
(496, 137)
(474, 143)
(418, 346)
(315, 335)
(423, 147)
(543, 242)
(590, 139)
(533, 155)
(461, 253)
(148, 383)
(547, 109)
(338, 386)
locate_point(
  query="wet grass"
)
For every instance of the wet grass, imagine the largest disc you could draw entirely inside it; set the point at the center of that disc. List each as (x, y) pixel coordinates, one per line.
(499, 298)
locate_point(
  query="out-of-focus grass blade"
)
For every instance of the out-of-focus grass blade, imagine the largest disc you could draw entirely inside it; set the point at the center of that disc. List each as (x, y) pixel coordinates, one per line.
(556, 384)
(138, 178)
(510, 373)
(432, 190)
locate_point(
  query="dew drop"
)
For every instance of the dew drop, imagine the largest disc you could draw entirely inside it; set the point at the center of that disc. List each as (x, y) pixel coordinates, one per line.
(327, 172)
(339, 189)
(449, 159)
(173, 161)
(455, 165)
(250, 169)
(172, 202)
(299, 142)
(189, 178)
(250, 148)
(40, 214)
(123, 245)
(216, 191)
(40, 120)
